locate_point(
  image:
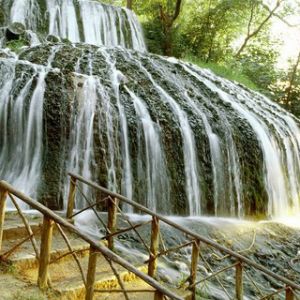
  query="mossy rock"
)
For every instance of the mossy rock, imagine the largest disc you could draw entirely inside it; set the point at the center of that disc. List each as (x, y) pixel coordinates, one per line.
(16, 29)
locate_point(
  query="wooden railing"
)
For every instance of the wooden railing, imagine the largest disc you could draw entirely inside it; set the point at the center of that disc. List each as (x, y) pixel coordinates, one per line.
(114, 210)
(51, 219)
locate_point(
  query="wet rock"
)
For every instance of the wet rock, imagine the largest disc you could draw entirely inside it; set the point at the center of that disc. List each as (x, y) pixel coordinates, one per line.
(53, 39)
(14, 31)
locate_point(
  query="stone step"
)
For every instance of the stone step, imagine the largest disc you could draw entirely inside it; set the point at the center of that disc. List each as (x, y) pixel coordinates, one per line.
(15, 229)
(66, 280)
(25, 255)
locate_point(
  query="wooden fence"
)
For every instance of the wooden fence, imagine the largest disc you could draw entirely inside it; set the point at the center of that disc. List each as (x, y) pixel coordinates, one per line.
(114, 203)
(51, 219)
(113, 200)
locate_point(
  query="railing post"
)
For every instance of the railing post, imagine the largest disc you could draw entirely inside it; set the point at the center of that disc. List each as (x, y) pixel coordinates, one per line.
(158, 295)
(91, 274)
(289, 295)
(71, 198)
(154, 246)
(194, 267)
(239, 282)
(45, 252)
(3, 196)
(112, 210)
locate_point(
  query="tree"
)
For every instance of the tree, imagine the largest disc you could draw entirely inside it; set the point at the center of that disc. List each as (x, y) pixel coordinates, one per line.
(258, 62)
(252, 33)
(211, 27)
(292, 88)
(167, 21)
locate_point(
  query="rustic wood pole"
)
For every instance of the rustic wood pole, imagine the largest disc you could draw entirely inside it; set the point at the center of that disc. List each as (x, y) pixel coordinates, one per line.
(64, 236)
(27, 226)
(45, 252)
(71, 198)
(289, 295)
(112, 220)
(91, 274)
(3, 196)
(158, 295)
(194, 266)
(239, 282)
(154, 246)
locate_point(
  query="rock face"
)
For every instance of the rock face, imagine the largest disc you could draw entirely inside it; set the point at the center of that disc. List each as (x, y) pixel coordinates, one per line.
(173, 137)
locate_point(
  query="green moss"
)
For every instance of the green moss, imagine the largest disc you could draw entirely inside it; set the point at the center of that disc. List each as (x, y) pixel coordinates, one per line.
(16, 45)
(2, 17)
(7, 266)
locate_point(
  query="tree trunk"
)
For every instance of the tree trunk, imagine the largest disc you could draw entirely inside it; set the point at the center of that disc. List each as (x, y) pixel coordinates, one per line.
(168, 45)
(129, 4)
(167, 21)
(289, 89)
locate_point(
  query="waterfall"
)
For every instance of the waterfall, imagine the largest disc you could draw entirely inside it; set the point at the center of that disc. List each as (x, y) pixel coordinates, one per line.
(63, 20)
(105, 25)
(156, 170)
(274, 175)
(116, 79)
(21, 138)
(189, 150)
(26, 12)
(85, 21)
(162, 132)
(214, 143)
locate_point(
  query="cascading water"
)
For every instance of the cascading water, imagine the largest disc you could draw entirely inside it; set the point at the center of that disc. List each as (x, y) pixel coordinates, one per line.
(21, 120)
(274, 175)
(82, 150)
(190, 161)
(157, 185)
(62, 19)
(116, 78)
(26, 12)
(78, 21)
(169, 135)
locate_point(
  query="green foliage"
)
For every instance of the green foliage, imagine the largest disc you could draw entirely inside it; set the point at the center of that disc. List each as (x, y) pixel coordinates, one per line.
(211, 28)
(258, 63)
(153, 35)
(226, 71)
(16, 45)
(287, 93)
(294, 102)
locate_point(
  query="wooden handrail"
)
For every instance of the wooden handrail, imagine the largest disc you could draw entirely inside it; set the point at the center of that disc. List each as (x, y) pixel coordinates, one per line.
(3, 196)
(123, 230)
(94, 244)
(189, 232)
(215, 274)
